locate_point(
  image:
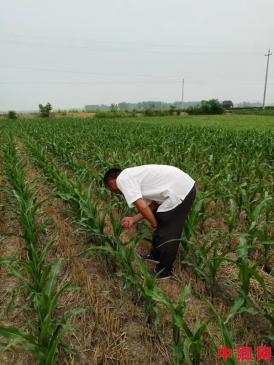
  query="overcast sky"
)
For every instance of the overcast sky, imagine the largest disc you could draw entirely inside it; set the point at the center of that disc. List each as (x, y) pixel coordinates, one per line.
(73, 53)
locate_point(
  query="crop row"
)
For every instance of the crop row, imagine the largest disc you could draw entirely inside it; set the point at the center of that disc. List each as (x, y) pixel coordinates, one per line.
(40, 285)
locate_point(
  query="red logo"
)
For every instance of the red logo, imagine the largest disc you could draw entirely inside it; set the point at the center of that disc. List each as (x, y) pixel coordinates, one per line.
(264, 353)
(224, 353)
(244, 353)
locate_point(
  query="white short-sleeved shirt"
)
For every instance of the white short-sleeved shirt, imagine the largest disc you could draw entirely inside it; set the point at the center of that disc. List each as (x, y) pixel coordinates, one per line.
(167, 185)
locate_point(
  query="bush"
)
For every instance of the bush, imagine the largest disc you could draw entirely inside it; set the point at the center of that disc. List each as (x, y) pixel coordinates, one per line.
(172, 109)
(155, 112)
(12, 114)
(212, 106)
(117, 114)
(45, 110)
(194, 110)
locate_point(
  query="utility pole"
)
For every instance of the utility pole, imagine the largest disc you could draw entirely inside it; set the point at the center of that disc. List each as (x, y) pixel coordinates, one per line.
(183, 84)
(267, 55)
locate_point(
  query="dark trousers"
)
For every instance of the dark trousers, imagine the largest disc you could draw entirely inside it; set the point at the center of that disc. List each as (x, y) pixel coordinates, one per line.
(170, 227)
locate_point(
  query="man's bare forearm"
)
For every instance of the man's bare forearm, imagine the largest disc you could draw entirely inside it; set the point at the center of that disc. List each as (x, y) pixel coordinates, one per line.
(145, 211)
(153, 207)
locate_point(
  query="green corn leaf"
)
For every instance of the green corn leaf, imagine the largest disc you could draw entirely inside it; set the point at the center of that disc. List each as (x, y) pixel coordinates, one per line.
(202, 328)
(69, 350)
(200, 271)
(6, 235)
(226, 337)
(47, 331)
(91, 250)
(52, 353)
(35, 329)
(23, 279)
(11, 303)
(239, 302)
(46, 251)
(44, 276)
(188, 343)
(55, 268)
(75, 312)
(14, 334)
(238, 308)
(38, 351)
(158, 316)
(266, 305)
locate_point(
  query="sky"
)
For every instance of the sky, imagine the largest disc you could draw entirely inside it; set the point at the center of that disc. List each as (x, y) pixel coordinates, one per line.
(74, 53)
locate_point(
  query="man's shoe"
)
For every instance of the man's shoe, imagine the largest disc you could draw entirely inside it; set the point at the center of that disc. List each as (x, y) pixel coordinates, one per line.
(162, 275)
(148, 257)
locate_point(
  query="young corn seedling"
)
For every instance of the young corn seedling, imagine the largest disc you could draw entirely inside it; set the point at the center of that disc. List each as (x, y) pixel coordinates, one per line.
(226, 335)
(35, 269)
(231, 216)
(123, 257)
(245, 274)
(207, 259)
(245, 271)
(147, 288)
(254, 214)
(270, 318)
(193, 343)
(49, 332)
(184, 340)
(178, 323)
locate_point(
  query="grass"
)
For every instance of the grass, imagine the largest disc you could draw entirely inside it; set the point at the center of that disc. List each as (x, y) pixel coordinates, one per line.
(238, 122)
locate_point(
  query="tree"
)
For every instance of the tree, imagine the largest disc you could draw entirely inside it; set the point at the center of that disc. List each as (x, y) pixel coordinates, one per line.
(139, 106)
(123, 106)
(172, 109)
(114, 107)
(45, 110)
(12, 114)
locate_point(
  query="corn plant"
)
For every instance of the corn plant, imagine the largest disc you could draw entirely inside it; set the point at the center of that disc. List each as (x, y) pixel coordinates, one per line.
(245, 270)
(48, 331)
(226, 335)
(207, 259)
(123, 257)
(184, 340)
(147, 288)
(231, 216)
(270, 318)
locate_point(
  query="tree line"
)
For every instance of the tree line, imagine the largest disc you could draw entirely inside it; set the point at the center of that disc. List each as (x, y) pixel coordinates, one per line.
(143, 105)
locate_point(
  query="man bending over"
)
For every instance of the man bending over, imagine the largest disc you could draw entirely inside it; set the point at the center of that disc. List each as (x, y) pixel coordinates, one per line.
(163, 195)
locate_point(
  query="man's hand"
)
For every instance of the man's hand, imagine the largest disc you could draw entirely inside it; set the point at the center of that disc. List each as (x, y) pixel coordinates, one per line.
(127, 222)
(154, 228)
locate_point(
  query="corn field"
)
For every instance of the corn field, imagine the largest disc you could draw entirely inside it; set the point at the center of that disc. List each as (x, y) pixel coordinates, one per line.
(80, 287)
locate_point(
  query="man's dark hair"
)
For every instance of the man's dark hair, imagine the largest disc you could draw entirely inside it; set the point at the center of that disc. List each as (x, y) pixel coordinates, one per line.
(111, 174)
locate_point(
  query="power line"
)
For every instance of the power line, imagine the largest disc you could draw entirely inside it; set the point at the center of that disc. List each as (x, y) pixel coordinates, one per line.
(119, 82)
(121, 50)
(113, 74)
(130, 43)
